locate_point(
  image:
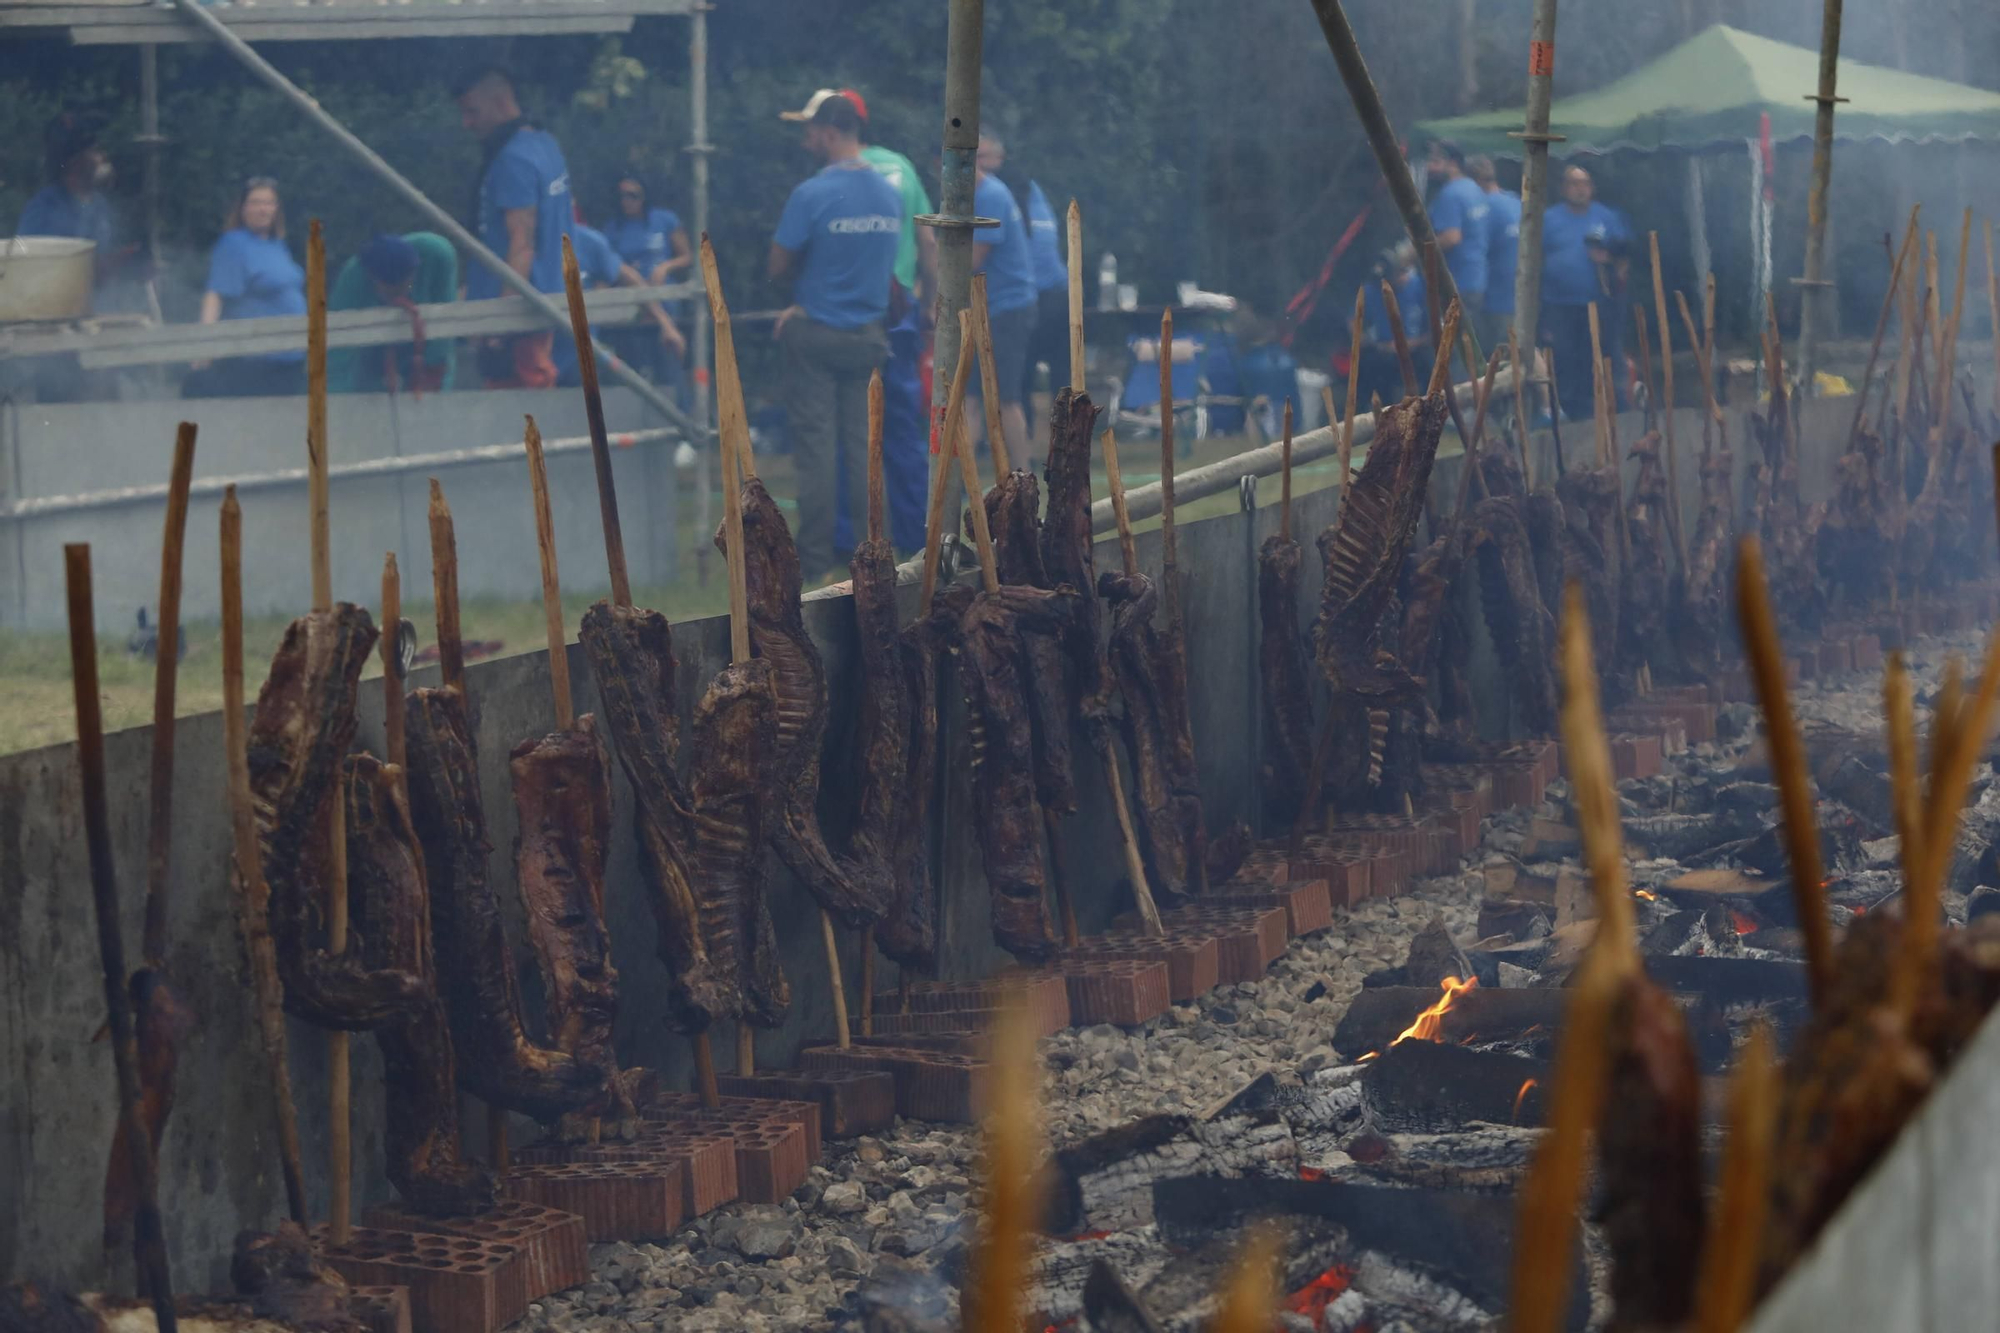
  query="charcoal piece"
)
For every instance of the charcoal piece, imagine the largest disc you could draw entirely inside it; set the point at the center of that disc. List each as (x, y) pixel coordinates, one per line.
(736, 729)
(498, 1063)
(1113, 1307)
(390, 901)
(1520, 624)
(1281, 658)
(1649, 1141)
(1434, 956)
(798, 676)
(562, 799)
(1008, 816)
(301, 729)
(632, 660)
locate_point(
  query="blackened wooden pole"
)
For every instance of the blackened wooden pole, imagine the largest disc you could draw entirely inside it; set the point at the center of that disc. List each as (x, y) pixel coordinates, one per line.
(1815, 286)
(149, 1246)
(1381, 135)
(1535, 141)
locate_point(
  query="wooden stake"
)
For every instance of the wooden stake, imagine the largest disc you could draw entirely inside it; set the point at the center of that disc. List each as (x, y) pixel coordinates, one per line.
(746, 1050)
(1601, 389)
(166, 670)
(954, 417)
(1948, 341)
(729, 411)
(392, 668)
(552, 613)
(1788, 761)
(835, 979)
(317, 497)
(1076, 356)
(875, 499)
(1881, 326)
(340, 1181)
(1248, 1297)
(994, 1293)
(1710, 412)
(1059, 878)
(149, 1246)
(1353, 387)
(444, 592)
(1135, 865)
(1552, 1189)
(1520, 406)
(989, 377)
(1128, 550)
(1285, 505)
(867, 983)
(1652, 414)
(1905, 786)
(1993, 307)
(961, 444)
(1170, 572)
(732, 526)
(1667, 404)
(1593, 789)
(1728, 1283)
(254, 896)
(1403, 359)
(600, 438)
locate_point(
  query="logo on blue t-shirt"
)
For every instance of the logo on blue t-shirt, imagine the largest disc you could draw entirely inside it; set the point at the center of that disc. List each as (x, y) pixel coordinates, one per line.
(862, 226)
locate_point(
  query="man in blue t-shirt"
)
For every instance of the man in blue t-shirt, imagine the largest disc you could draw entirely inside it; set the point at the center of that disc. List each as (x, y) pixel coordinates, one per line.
(1585, 260)
(1005, 254)
(522, 213)
(836, 242)
(1503, 247)
(1458, 219)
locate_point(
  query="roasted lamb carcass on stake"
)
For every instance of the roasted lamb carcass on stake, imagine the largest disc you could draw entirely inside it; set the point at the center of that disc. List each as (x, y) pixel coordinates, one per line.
(1287, 720)
(301, 730)
(1644, 636)
(391, 905)
(498, 1062)
(1519, 623)
(1170, 816)
(632, 660)
(778, 635)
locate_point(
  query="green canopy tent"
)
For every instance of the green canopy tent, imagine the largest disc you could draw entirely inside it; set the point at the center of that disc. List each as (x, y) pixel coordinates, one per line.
(1715, 92)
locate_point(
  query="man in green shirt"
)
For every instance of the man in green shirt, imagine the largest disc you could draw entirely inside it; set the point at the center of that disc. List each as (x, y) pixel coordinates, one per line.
(404, 272)
(905, 420)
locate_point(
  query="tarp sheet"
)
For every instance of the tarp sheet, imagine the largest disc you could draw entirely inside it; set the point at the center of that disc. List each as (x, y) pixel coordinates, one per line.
(1710, 91)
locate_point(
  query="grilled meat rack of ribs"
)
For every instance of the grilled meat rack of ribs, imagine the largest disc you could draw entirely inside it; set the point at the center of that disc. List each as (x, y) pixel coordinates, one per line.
(1591, 498)
(299, 735)
(778, 635)
(992, 666)
(1356, 633)
(1172, 837)
(907, 933)
(391, 903)
(736, 727)
(499, 1063)
(1281, 659)
(562, 799)
(1518, 621)
(631, 654)
(1013, 517)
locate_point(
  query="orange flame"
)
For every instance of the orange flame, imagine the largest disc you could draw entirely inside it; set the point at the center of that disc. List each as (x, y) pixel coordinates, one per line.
(1431, 1021)
(1522, 1096)
(1372, 1055)
(1743, 924)
(1646, 894)
(1312, 1299)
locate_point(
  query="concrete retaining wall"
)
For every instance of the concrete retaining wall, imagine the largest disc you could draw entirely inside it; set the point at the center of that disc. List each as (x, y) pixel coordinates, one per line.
(219, 1159)
(65, 449)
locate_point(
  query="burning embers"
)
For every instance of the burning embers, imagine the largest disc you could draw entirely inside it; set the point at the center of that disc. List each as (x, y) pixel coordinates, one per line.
(1431, 1020)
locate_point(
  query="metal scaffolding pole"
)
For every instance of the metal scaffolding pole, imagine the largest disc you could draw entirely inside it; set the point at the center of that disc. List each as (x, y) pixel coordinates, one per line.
(698, 150)
(151, 142)
(964, 40)
(1535, 140)
(556, 313)
(1816, 287)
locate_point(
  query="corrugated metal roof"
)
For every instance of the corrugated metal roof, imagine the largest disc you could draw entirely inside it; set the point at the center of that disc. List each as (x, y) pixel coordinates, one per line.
(123, 22)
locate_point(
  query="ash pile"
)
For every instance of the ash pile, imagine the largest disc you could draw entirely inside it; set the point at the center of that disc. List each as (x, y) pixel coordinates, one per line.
(1404, 1070)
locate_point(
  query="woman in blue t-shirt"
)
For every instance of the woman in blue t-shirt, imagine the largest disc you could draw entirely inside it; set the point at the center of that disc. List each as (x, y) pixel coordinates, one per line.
(251, 273)
(655, 244)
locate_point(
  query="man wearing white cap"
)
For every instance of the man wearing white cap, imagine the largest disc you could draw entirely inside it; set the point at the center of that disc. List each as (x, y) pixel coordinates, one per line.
(837, 242)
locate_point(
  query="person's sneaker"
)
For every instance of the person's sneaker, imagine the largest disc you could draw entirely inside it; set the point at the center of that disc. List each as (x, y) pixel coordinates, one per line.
(684, 455)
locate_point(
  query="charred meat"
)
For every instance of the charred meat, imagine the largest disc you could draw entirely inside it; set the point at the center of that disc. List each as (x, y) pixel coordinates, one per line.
(778, 636)
(1522, 630)
(562, 799)
(1013, 518)
(1169, 814)
(298, 736)
(882, 731)
(498, 1063)
(1287, 721)
(632, 660)
(907, 933)
(735, 732)
(386, 886)
(1009, 816)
